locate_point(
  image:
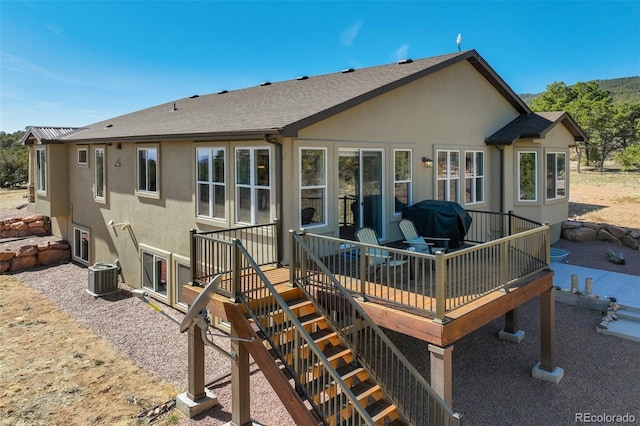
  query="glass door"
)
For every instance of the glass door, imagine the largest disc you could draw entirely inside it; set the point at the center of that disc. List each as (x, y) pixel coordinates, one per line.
(360, 193)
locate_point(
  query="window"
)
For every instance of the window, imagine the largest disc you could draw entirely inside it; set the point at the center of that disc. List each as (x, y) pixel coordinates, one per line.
(147, 170)
(41, 170)
(253, 186)
(556, 175)
(448, 175)
(99, 181)
(83, 157)
(154, 273)
(211, 182)
(183, 277)
(402, 180)
(81, 244)
(313, 186)
(527, 176)
(474, 177)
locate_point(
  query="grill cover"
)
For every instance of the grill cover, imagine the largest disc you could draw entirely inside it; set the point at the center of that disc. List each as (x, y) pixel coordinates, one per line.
(441, 219)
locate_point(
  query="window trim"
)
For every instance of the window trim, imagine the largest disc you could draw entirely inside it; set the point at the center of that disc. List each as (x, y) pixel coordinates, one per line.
(324, 187)
(252, 186)
(555, 176)
(176, 262)
(475, 177)
(211, 184)
(409, 181)
(74, 254)
(41, 171)
(519, 198)
(84, 163)
(97, 197)
(166, 256)
(145, 192)
(448, 178)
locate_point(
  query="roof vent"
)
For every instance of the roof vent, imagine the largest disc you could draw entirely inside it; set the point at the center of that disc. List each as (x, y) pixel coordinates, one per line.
(348, 70)
(175, 108)
(405, 61)
(108, 125)
(266, 83)
(303, 77)
(194, 96)
(222, 92)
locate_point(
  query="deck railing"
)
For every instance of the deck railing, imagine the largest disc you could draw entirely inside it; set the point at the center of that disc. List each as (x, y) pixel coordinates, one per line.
(435, 283)
(404, 385)
(489, 226)
(212, 251)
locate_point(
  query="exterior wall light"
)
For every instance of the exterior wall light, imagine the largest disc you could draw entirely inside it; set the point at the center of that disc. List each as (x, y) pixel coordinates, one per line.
(427, 162)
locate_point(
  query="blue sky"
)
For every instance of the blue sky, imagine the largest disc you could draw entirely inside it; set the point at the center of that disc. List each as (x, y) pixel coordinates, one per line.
(72, 63)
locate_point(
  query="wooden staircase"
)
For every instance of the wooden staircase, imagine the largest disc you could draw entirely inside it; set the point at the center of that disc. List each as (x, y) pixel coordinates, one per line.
(313, 383)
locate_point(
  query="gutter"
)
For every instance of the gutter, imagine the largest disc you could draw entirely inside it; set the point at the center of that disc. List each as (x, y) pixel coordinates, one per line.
(195, 137)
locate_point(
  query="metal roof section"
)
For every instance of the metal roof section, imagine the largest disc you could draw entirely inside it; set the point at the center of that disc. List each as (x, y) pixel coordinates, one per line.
(535, 126)
(43, 135)
(280, 108)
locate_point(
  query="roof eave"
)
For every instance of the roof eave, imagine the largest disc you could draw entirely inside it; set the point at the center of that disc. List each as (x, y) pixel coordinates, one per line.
(197, 137)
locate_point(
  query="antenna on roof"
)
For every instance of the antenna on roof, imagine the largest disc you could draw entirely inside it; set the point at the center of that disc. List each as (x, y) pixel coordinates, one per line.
(458, 41)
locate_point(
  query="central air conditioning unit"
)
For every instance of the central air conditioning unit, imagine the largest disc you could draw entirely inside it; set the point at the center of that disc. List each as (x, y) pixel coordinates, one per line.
(103, 279)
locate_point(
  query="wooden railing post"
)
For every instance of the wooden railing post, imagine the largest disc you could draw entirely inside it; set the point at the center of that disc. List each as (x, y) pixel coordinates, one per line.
(192, 255)
(236, 271)
(441, 296)
(547, 244)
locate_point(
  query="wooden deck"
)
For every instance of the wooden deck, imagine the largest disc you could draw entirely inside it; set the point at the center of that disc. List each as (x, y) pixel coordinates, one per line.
(458, 322)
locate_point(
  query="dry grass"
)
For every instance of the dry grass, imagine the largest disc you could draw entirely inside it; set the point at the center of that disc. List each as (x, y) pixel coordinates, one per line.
(56, 372)
(12, 198)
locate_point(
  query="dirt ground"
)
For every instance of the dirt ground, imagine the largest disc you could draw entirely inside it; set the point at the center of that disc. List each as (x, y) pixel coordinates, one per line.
(54, 372)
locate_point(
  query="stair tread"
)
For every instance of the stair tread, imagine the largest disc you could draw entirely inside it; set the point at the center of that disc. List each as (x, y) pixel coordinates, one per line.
(379, 409)
(364, 388)
(345, 372)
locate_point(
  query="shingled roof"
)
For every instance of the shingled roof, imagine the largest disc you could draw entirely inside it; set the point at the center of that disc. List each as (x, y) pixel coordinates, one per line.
(281, 108)
(535, 126)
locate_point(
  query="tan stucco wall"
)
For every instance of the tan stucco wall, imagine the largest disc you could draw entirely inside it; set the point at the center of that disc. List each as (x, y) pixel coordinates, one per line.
(455, 108)
(55, 202)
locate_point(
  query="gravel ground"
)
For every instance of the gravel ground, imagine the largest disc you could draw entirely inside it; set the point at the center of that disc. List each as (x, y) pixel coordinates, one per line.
(492, 382)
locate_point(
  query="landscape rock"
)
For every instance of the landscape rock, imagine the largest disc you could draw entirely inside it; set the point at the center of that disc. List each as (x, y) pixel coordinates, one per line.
(33, 218)
(25, 251)
(616, 231)
(605, 235)
(580, 234)
(6, 255)
(19, 226)
(570, 224)
(4, 266)
(53, 257)
(24, 262)
(591, 225)
(629, 241)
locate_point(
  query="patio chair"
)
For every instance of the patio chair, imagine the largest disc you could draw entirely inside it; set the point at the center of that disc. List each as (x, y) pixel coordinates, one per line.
(377, 257)
(428, 245)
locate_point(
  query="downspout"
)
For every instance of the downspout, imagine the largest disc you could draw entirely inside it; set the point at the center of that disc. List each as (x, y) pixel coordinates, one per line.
(278, 175)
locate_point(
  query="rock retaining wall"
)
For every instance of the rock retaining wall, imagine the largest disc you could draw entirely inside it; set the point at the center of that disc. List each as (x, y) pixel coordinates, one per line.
(36, 224)
(32, 254)
(577, 231)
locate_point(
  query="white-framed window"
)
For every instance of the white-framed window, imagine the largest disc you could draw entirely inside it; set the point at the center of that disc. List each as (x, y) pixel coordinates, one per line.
(313, 186)
(83, 156)
(148, 171)
(527, 176)
(402, 180)
(556, 175)
(100, 183)
(448, 179)
(41, 170)
(210, 181)
(154, 272)
(253, 185)
(474, 177)
(182, 277)
(81, 244)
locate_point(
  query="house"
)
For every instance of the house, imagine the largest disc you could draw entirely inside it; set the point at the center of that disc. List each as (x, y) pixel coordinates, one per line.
(327, 154)
(324, 153)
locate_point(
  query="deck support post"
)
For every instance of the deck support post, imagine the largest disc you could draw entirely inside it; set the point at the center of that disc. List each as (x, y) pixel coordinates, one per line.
(546, 369)
(240, 386)
(510, 332)
(197, 398)
(442, 372)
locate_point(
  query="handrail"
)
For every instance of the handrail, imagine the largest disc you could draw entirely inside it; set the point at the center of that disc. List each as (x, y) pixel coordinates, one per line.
(262, 302)
(369, 343)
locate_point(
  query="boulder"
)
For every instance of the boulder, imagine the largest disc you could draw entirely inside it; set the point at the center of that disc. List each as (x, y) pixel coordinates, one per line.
(6, 255)
(53, 257)
(592, 225)
(36, 224)
(9, 233)
(24, 262)
(18, 226)
(616, 231)
(38, 231)
(33, 218)
(4, 266)
(635, 233)
(605, 235)
(580, 234)
(571, 224)
(25, 251)
(630, 242)
(60, 245)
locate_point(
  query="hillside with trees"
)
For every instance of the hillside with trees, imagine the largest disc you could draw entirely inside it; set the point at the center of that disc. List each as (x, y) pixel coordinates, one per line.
(625, 89)
(14, 160)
